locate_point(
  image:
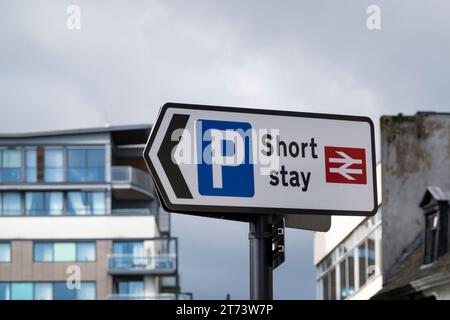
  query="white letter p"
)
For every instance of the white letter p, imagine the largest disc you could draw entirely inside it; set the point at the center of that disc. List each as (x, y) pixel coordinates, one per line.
(219, 159)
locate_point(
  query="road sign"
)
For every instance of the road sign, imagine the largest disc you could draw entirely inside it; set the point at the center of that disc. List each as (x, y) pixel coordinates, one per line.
(237, 162)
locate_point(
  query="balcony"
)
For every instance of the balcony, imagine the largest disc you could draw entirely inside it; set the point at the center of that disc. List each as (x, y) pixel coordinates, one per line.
(163, 296)
(129, 183)
(169, 284)
(131, 264)
(132, 212)
(163, 221)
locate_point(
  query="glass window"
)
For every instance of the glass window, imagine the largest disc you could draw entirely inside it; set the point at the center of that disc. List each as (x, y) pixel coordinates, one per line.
(43, 291)
(86, 203)
(431, 222)
(362, 264)
(61, 292)
(43, 251)
(4, 291)
(128, 248)
(351, 273)
(131, 253)
(86, 291)
(86, 251)
(325, 288)
(131, 287)
(11, 204)
(98, 202)
(343, 278)
(11, 165)
(76, 203)
(64, 252)
(86, 165)
(96, 164)
(333, 284)
(77, 158)
(44, 203)
(5, 252)
(22, 291)
(30, 165)
(371, 267)
(54, 203)
(170, 281)
(54, 165)
(46, 291)
(34, 203)
(356, 257)
(77, 170)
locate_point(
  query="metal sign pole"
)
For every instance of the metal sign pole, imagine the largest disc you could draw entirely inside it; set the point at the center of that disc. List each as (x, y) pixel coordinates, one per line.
(260, 237)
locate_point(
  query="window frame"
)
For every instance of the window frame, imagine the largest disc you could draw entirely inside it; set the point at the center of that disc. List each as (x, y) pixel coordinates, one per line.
(25, 164)
(85, 197)
(21, 283)
(431, 234)
(64, 164)
(86, 242)
(349, 247)
(65, 208)
(52, 243)
(9, 285)
(9, 243)
(65, 148)
(126, 280)
(86, 150)
(22, 162)
(2, 201)
(45, 200)
(34, 251)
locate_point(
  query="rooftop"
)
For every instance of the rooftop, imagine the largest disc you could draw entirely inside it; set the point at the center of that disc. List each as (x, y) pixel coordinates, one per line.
(122, 134)
(106, 128)
(409, 276)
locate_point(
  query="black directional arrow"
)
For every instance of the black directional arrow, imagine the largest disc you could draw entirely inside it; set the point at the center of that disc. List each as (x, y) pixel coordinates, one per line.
(171, 169)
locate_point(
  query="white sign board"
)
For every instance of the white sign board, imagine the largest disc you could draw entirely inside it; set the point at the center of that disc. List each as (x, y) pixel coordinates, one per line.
(207, 159)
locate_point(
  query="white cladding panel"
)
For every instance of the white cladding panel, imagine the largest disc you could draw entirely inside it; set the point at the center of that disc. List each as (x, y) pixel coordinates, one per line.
(92, 227)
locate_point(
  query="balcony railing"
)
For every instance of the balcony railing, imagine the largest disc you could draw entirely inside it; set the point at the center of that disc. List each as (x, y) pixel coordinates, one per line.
(164, 296)
(132, 212)
(131, 264)
(164, 221)
(168, 282)
(127, 176)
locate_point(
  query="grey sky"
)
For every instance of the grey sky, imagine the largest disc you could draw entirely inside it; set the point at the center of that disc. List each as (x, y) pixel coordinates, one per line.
(130, 57)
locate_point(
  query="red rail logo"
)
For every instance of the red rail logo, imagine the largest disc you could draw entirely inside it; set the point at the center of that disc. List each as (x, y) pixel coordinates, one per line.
(345, 165)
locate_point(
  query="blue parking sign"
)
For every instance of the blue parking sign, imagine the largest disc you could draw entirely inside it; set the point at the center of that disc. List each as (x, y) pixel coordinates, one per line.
(224, 153)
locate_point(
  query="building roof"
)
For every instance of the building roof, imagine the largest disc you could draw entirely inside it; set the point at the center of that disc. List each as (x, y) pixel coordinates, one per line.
(106, 128)
(409, 276)
(412, 277)
(434, 193)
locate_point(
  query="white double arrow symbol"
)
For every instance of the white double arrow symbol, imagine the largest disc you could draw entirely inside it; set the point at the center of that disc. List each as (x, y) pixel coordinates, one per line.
(347, 161)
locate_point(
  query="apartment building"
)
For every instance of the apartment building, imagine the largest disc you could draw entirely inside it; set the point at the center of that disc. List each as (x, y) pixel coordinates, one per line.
(405, 253)
(348, 258)
(416, 195)
(80, 205)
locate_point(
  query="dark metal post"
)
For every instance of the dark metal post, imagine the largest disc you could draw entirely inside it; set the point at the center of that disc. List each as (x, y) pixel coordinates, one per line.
(260, 237)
